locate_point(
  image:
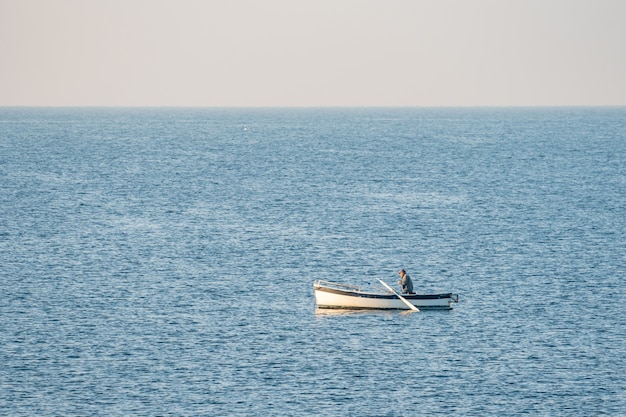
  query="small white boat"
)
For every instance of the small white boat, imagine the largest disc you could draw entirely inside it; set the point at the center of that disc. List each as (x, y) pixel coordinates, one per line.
(333, 295)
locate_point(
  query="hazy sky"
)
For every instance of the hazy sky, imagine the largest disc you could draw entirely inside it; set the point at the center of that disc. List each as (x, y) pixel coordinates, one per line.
(312, 53)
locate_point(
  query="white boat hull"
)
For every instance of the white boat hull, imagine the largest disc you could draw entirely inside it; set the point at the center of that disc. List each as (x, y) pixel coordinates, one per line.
(330, 295)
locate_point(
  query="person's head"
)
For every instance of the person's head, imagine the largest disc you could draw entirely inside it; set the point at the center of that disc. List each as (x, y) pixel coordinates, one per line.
(402, 272)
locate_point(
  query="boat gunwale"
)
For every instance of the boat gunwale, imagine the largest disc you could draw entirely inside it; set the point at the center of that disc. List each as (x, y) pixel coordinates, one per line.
(319, 287)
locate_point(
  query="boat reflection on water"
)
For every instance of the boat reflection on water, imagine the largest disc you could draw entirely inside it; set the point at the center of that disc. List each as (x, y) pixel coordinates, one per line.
(335, 312)
(339, 312)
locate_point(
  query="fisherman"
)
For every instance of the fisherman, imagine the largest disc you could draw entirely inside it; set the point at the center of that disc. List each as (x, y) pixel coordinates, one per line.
(405, 282)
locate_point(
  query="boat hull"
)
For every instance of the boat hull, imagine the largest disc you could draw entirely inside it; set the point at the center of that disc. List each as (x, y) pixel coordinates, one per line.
(353, 298)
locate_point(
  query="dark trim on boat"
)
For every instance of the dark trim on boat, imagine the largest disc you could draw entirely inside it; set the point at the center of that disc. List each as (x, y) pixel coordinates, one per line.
(385, 296)
(422, 308)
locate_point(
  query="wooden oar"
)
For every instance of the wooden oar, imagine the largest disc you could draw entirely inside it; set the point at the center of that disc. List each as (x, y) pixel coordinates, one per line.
(404, 300)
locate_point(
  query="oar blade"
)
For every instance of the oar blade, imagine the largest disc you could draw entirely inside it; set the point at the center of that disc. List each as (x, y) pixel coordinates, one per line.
(404, 300)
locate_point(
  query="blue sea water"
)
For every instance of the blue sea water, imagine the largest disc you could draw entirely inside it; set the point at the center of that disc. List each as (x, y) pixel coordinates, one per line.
(160, 261)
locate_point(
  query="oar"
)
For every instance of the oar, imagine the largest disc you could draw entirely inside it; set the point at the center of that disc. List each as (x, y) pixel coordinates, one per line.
(404, 300)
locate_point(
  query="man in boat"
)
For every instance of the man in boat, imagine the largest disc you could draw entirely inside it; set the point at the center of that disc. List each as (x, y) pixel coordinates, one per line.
(405, 282)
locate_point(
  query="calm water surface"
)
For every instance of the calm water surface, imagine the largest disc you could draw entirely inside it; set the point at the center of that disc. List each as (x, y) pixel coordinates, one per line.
(161, 261)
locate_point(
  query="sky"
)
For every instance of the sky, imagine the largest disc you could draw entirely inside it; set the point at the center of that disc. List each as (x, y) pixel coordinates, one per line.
(312, 53)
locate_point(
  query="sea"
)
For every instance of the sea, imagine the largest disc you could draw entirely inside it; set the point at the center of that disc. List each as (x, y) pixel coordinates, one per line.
(161, 261)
